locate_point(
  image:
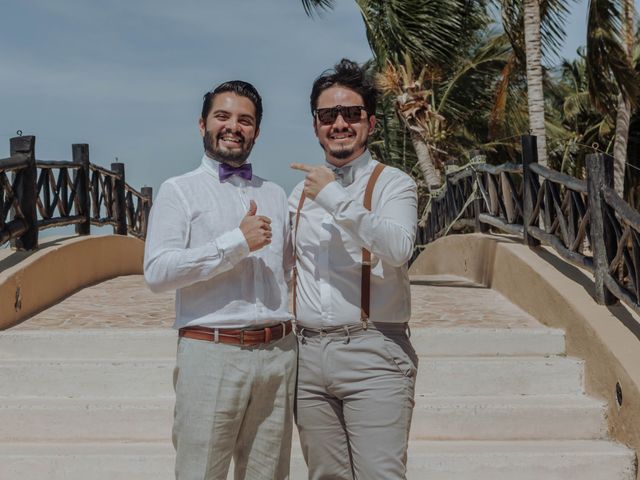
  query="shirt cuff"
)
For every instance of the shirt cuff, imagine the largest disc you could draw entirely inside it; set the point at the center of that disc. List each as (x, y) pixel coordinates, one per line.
(233, 245)
(331, 196)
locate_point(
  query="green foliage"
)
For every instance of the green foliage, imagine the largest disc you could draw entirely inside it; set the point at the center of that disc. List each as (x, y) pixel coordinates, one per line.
(552, 18)
(317, 6)
(576, 128)
(610, 70)
(476, 79)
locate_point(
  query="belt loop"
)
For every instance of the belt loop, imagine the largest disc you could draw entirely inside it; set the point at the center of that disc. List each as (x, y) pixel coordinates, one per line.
(408, 332)
(346, 330)
(284, 329)
(241, 337)
(216, 335)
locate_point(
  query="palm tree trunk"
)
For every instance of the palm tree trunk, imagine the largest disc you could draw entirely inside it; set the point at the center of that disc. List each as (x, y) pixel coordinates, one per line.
(425, 161)
(623, 115)
(534, 76)
(623, 118)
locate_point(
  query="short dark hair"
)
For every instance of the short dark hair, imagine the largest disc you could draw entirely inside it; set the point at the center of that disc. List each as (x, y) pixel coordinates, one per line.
(243, 89)
(346, 74)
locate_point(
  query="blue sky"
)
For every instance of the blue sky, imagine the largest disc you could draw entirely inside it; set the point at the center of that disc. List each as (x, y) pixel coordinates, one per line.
(127, 76)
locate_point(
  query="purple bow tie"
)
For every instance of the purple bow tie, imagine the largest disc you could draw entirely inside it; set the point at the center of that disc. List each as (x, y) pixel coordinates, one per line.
(243, 171)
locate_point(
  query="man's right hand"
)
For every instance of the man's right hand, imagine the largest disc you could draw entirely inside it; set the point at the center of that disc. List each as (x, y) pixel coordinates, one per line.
(256, 228)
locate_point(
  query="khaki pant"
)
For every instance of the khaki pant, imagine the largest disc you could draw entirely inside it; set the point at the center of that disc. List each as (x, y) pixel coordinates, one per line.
(355, 401)
(234, 401)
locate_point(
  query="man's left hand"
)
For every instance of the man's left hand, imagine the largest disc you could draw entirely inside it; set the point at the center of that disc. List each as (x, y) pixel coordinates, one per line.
(317, 178)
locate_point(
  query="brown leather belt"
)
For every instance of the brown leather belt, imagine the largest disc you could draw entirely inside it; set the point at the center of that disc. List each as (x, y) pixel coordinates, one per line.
(237, 336)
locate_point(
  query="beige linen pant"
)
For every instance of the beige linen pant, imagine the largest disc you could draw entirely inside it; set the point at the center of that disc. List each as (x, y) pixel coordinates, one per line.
(355, 401)
(234, 401)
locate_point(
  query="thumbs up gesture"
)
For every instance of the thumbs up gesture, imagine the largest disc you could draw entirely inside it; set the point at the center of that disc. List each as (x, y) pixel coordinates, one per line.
(256, 228)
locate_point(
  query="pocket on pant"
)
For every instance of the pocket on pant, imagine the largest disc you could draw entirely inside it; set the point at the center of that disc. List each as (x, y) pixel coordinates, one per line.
(401, 353)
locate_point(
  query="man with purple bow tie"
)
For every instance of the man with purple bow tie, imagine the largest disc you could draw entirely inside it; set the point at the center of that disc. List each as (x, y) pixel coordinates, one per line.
(219, 236)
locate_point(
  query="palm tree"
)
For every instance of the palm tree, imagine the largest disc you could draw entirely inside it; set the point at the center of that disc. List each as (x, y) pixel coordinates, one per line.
(613, 83)
(418, 36)
(535, 28)
(573, 122)
(534, 76)
(623, 118)
(414, 107)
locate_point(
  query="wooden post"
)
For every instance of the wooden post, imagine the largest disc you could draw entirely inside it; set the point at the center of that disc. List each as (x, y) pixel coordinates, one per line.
(80, 153)
(529, 156)
(478, 202)
(27, 190)
(147, 193)
(603, 242)
(119, 197)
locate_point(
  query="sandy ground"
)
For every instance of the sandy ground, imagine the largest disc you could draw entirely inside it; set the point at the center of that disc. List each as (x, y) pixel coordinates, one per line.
(125, 302)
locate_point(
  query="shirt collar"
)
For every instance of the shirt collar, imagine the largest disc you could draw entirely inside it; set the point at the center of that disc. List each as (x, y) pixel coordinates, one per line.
(210, 165)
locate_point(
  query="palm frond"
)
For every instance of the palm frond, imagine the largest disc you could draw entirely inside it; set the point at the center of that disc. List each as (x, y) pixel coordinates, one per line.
(312, 7)
(553, 15)
(427, 31)
(610, 70)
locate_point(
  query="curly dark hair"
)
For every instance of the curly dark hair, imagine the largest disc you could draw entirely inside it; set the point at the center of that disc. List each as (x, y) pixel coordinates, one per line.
(243, 89)
(346, 74)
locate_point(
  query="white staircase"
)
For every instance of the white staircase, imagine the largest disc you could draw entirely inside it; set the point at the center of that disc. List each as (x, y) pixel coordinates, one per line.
(492, 402)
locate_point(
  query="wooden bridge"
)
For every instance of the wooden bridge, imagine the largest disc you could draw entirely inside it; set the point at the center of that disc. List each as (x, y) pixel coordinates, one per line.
(529, 366)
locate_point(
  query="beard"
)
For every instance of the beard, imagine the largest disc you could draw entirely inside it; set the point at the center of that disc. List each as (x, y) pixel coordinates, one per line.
(235, 158)
(342, 153)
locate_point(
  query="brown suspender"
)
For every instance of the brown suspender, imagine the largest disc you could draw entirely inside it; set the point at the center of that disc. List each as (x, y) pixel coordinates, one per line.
(365, 293)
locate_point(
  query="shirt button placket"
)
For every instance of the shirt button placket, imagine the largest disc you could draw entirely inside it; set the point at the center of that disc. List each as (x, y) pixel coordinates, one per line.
(257, 286)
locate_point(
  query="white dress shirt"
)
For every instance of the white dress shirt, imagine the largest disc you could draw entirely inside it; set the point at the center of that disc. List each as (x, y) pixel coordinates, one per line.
(332, 231)
(195, 246)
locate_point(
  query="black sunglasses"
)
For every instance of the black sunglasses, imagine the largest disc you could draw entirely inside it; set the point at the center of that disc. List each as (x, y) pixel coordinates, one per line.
(327, 116)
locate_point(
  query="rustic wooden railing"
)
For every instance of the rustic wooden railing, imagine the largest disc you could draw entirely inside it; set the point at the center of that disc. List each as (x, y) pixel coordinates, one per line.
(584, 221)
(39, 194)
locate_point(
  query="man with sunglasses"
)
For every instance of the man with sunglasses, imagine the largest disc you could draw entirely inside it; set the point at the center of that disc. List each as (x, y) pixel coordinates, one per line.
(218, 235)
(354, 225)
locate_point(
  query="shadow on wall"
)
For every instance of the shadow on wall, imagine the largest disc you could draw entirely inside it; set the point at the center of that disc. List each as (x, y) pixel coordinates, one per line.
(31, 282)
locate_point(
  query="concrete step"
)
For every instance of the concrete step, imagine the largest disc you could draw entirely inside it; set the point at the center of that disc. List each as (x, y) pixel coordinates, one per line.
(460, 376)
(441, 418)
(89, 420)
(436, 376)
(437, 460)
(161, 343)
(453, 376)
(86, 379)
(469, 342)
(530, 417)
(82, 461)
(150, 419)
(521, 460)
(88, 344)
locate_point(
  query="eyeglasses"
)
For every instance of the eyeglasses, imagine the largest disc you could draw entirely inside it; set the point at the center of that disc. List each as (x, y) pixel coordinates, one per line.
(327, 116)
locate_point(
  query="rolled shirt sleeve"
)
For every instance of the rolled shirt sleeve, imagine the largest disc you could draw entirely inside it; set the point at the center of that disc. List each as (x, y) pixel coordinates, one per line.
(389, 231)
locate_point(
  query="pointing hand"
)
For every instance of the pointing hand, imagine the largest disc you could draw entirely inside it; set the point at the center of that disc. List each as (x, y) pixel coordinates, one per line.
(317, 178)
